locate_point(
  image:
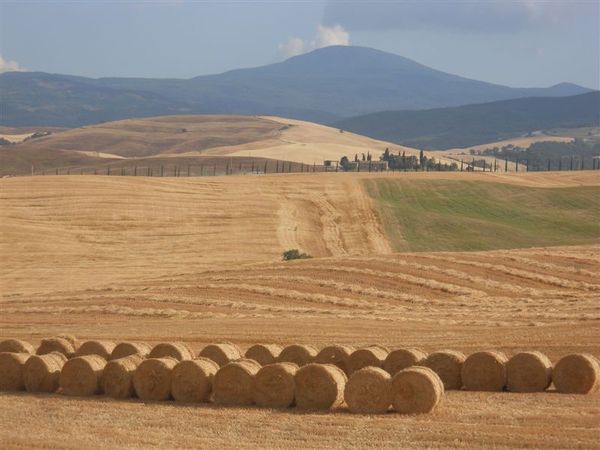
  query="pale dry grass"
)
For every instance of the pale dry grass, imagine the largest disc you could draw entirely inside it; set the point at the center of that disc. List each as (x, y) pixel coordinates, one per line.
(464, 419)
(309, 143)
(463, 154)
(15, 138)
(197, 261)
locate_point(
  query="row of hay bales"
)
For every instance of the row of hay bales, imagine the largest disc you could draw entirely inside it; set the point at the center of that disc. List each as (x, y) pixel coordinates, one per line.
(241, 382)
(480, 371)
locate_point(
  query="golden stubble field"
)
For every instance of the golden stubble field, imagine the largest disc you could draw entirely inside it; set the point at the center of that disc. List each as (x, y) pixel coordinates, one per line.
(197, 260)
(185, 140)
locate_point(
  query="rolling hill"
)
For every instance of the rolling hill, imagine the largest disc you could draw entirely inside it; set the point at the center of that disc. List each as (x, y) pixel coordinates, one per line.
(184, 140)
(322, 86)
(198, 260)
(470, 125)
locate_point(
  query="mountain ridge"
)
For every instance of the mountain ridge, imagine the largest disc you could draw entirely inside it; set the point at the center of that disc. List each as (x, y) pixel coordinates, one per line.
(322, 86)
(467, 125)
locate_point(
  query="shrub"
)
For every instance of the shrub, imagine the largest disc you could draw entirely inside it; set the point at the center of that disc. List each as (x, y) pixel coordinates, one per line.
(294, 253)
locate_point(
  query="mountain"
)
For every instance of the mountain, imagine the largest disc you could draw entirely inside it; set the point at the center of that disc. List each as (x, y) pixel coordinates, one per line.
(324, 85)
(469, 125)
(41, 99)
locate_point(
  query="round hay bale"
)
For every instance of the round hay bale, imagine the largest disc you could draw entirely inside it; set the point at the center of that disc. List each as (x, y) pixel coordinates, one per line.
(369, 391)
(191, 380)
(222, 354)
(41, 373)
(233, 383)
(16, 346)
(447, 364)
(70, 338)
(123, 349)
(528, 372)
(100, 348)
(416, 390)
(274, 385)
(11, 371)
(484, 371)
(264, 354)
(56, 344)
(117, 377)
(319, 386)
(335, 354)
(372, 356)
(190, 349)
(403, 358)
(80, 376)
(175, 350)
(578, 373)
(298, 354)
(152, 378)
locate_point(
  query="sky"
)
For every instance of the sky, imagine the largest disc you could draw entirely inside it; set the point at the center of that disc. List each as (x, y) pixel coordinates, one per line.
(520, 43)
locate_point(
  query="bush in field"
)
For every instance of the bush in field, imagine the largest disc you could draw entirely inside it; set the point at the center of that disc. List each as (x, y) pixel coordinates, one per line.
(294, 253)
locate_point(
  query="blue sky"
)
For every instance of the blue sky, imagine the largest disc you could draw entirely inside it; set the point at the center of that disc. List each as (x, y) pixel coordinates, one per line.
(517, 43)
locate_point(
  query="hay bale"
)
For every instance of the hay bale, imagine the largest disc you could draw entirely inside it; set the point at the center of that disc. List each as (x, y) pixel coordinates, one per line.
(191, 380)
(528, 372)
(152, 378)
(41, 373)
(175, 350)
(100, 348)
(403, 358)
(416, 390)
(274, 385)
(189, 348)
(298, 354)
(264, 354)
(123, 349)
(70, 338)
(16, 346)
(484, 371)
(11, 371)
(369, 391)
(335, 354)
(222, 354)
(80, 376)
(578, 373)
(371, 356)
(117, 377)
(233, 383)
(56, 344)
(319, 386)
(447, 364)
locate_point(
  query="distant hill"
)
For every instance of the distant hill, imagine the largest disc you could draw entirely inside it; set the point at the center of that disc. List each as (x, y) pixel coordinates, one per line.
(185, 140)
(41, 99)
(322, 86)
(470, 125)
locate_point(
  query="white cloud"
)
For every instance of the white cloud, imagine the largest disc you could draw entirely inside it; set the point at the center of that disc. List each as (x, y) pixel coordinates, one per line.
(335, 35)
(293, 47)
(325, 37)
(9, 66)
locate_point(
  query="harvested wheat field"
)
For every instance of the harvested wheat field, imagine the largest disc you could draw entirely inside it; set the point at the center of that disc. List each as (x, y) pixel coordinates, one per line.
(198, 261)
(188, 140)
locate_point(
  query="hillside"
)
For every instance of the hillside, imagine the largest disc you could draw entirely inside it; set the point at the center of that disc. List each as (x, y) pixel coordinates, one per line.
(186, 140)
(471, 125)
(198, 260)
(322, 86)
(450, 215)
(230, 220)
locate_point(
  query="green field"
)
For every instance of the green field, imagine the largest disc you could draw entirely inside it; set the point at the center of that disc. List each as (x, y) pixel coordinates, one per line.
(438, 215)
